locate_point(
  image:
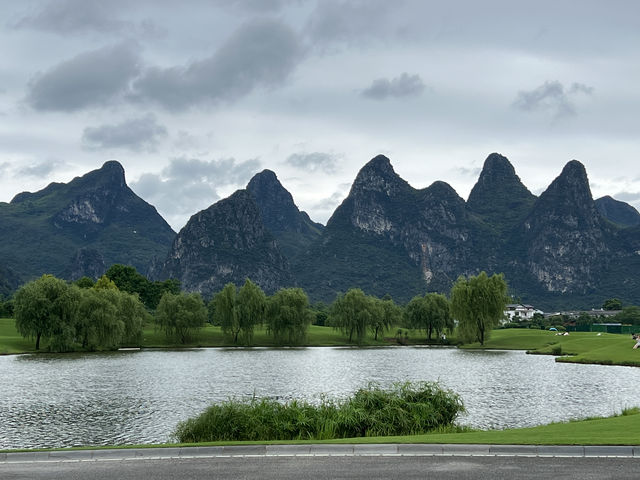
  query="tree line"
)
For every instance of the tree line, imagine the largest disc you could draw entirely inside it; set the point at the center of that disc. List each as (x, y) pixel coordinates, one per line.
(111, 312)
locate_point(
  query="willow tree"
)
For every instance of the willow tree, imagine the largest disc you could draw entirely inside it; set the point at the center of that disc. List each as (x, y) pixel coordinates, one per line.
(46, 308)
(386, 314)
(353, 312)
(478, 304)
(288, 316)
(225, 312)
(251, 305)
(181, 315)
(430, 313)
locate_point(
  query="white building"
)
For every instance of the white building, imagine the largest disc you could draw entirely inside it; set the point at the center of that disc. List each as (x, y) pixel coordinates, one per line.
(519, 312)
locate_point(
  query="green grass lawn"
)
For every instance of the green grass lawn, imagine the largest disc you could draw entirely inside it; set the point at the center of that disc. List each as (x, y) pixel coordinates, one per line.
(577, 347)
(618, 430)
(210, 336)
(623, 429)
(11, 341)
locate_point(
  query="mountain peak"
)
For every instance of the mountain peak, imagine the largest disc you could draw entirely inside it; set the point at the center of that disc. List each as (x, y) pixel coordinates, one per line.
(227, 242)
(496, 163)
(266, 183)
(576, 169)
(293, 229)
(572, 184)
(113, 172)
(379, 162)
(378, 175)
(499, 196)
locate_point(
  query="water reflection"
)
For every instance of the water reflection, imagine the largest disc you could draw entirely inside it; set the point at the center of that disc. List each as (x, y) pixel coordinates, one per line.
(139, 396)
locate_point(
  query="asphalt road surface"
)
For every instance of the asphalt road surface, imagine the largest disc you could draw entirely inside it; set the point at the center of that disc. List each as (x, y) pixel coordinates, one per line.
(328, 462)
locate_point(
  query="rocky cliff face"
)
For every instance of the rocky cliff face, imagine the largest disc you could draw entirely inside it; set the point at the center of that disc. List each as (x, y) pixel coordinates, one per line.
(227, 242)
(387, 237)
(560, 250)
(564, 237)
(51, 231)
(87, 262)
(293, 229)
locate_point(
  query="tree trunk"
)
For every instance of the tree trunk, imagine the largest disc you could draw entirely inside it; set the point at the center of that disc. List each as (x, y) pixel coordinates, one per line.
(38, 335)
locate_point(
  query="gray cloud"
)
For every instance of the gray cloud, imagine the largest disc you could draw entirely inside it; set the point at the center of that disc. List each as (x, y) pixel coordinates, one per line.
(353, 21)
(89, 79)
(261, 53)
(314, 162)
(136, 134)
(255, 6)
(403, 86)
(40, 170)
(188, 185)
(65, 16)
(552, 97)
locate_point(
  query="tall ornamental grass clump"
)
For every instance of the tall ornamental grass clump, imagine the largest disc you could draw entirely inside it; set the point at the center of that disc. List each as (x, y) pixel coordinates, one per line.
(404, 409)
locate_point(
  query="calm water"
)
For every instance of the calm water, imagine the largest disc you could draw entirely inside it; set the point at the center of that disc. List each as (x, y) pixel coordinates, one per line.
(139, 397)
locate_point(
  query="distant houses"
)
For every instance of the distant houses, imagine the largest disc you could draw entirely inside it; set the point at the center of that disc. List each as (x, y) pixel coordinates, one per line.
(518, 312)
(594, 312)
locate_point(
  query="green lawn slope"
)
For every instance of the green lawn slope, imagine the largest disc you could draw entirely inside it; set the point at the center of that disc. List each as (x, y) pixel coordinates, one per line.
(577, 347)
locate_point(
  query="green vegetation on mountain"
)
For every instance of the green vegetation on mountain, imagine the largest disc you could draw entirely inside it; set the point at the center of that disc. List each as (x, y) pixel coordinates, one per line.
(499, 197)
(559, 251)
(226, 242)
(293, 229)
(78, 228)
(618, 212)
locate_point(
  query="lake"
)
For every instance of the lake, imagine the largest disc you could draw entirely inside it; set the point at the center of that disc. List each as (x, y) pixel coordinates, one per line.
(138, 397)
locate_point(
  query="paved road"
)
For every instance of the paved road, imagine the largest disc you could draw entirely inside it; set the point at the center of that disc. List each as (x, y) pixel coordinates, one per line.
(328, 462)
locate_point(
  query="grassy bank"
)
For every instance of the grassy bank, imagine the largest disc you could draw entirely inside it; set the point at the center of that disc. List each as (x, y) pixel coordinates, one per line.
(577, 347)
(210, 336)
(11, 341)
(623, 429)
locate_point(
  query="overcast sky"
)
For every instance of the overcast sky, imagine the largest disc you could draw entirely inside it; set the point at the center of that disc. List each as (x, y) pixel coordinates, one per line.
(195, 97)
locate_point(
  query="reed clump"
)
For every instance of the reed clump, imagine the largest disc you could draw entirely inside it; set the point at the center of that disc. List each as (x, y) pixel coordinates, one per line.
(404, 409)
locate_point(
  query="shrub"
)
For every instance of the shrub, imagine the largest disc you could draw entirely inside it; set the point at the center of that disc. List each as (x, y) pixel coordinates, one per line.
(404, 409)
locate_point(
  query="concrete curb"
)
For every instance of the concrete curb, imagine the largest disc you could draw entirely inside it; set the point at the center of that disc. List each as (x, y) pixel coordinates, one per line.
(321, 450)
